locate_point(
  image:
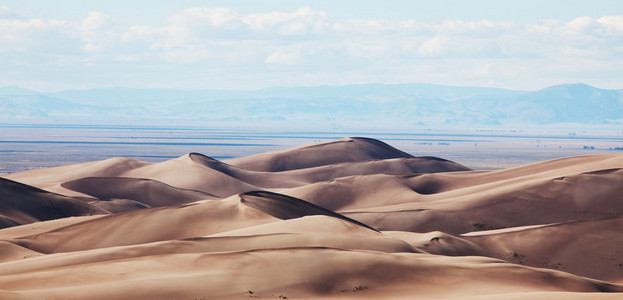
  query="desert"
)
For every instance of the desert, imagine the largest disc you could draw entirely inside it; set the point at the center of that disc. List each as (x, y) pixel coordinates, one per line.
(353, 218)
(311, 149)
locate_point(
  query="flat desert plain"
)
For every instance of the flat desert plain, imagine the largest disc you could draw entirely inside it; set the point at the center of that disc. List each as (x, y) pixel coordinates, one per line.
(347, 219)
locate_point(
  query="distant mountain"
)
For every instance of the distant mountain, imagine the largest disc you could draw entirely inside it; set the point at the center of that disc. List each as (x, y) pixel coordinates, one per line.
(13, 90)
(384, 105)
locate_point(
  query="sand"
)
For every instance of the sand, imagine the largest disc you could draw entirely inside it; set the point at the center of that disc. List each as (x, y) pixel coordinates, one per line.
(346, 219)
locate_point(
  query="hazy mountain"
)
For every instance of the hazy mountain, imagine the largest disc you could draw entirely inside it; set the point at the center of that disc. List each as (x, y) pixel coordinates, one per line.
(393, 105)
(13, 90)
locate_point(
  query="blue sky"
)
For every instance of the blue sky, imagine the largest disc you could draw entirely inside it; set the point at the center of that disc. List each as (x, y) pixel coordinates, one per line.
(71, 44)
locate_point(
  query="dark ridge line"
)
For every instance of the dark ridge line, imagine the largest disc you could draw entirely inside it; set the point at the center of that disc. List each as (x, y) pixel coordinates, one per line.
(603, 171)
(266, 196)
(64, 184)
(392, 211)
(32, 188)
(381, 144)
(538, 227)
(193, 155)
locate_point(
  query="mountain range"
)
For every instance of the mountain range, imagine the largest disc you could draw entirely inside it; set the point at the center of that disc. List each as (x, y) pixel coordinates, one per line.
(367, 105)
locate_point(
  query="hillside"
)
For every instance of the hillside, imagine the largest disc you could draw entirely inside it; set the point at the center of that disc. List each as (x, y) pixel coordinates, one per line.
(397, 106)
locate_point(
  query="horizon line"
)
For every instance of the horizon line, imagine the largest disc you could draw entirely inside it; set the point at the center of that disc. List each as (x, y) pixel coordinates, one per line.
(301, 86)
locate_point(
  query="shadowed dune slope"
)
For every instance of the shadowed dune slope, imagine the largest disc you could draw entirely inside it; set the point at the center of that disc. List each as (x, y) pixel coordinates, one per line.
(319, 154)
(43, 226)
(270, 259)
(347, 219)
(286, 207)
(311, 231)
(300, 177)
(437, 242)
(118, 205)
(573, 192)
(46, 178)
(167, 223)
(181, 173)
(192, 220)
(11, 252)
(356, 192)
(149, 225)
(146, 191)
(293, 273)
(405, 166)
(21, 204)
(200, 173)
(587, 248)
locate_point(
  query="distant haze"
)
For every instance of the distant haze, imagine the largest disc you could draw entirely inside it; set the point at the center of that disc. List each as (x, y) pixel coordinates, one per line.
(401, 106)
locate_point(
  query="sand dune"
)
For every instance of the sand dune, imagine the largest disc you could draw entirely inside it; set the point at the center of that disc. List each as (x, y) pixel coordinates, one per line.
(598, 243)
(293, 272)
(149, 192)
(352, 218)
(286, 207)
(319, 154)
(349, 157)
(497, 199)
(21, 204)
(48, 177)
(195, 173)
(303, 176)
(43, 226)
(437, 242)
(149, 225)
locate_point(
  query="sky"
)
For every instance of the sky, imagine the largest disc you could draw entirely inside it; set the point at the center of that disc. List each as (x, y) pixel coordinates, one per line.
(244, 45)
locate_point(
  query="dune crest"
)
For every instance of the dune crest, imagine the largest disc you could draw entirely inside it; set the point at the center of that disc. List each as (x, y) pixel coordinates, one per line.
(319, 154)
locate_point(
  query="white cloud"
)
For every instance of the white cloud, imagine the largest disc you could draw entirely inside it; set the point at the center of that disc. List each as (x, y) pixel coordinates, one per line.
(283, 58)
(474, 28)
(311, 47)
(612, 23)
(580, 24)
(483, 70)
(303, 20)
(434, 45)
(27, 35)
(9, 14)
(201, 17)
(97, 33)
(94, 21)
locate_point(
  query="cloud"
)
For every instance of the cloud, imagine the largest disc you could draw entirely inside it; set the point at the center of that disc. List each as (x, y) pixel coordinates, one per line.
(302, 21)
(94, 32)
(9, 14)
(283, 58)
(483, 70)
(94, 21)
(311, 47)
(28, 35)
(580, 24)
(434, 45)
(612, 23)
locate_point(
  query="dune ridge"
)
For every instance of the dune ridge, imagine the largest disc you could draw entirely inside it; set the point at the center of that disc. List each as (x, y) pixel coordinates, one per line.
(343, 219)
(21, 204)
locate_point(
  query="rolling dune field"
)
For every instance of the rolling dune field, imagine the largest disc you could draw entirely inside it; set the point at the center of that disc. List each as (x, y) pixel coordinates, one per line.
(352, 218)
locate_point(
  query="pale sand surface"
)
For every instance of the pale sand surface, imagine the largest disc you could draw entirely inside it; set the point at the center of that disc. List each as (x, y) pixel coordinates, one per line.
(347, 219)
